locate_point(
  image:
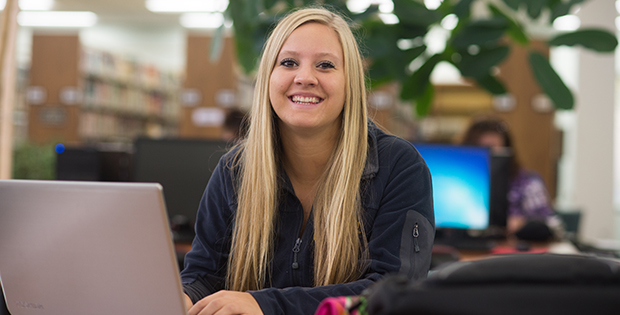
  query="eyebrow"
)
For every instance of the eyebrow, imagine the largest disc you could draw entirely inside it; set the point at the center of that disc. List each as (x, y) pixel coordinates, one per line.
(320, 54)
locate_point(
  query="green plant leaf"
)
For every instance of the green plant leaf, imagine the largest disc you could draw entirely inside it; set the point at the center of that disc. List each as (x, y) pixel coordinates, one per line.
(244, 14)
(409, 31)
(392, 66)
(416, 84)
(477, 66)
(415, 13)
(491, 84)
(513, 4)
(550, 81)
(480, 32)
(596, 39)
(534, 7)
(380, 40)
(269, 3)
(371, 11)
(463, 8)
(380, 72)
(413, 53)
(515, 30)
(423, 104)
(560, 8)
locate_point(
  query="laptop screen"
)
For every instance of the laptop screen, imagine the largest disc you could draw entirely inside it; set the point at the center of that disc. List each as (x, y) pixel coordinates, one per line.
(87, 248)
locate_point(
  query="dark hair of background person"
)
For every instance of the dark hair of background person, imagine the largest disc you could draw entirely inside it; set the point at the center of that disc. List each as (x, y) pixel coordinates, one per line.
(235, 124)
(486, 125)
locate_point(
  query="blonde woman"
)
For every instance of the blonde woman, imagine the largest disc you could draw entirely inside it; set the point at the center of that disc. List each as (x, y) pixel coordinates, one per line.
(316, 201)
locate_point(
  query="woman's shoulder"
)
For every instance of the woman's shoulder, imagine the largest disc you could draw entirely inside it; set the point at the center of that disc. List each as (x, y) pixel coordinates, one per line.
(389, 151)
(230, 162)
(233, 155)
(527, 175)
(389, 143)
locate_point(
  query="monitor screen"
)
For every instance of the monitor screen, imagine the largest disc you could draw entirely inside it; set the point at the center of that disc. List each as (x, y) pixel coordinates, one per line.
(182, 166)
(461, 184)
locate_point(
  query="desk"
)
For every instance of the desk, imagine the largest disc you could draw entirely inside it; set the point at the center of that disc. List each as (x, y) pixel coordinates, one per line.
(509, 247)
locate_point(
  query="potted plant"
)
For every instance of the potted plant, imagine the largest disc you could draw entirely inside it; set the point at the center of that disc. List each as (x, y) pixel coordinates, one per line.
(480, 38)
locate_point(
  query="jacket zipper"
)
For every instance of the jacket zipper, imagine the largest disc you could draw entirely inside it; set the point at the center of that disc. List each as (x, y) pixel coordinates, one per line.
(296, 250)
(416, 234)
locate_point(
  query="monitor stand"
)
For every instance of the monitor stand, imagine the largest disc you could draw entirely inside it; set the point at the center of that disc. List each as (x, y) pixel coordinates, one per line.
(462, 240)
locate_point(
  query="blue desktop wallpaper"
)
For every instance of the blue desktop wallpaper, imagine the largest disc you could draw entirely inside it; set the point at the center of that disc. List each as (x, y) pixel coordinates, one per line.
(461, 185)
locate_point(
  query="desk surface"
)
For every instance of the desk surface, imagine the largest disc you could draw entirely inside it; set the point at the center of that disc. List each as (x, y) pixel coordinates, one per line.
(509, 247)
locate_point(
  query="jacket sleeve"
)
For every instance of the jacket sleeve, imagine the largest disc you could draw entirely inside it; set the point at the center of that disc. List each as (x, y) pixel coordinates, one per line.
(205, 263)
(400, 237)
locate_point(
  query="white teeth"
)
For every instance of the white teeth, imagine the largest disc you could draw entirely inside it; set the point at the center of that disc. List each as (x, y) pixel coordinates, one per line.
(302, 99)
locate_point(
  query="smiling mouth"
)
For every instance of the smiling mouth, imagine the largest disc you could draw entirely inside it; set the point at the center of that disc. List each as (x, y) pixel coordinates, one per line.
(305, 100)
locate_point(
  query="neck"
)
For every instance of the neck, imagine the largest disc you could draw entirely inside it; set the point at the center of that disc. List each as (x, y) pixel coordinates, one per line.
(306, 155)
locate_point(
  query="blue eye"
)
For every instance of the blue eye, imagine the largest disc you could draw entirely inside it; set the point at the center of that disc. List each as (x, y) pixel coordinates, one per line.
(288, 62)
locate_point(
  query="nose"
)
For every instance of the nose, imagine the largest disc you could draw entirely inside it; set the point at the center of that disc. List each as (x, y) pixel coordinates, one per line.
(305, 76)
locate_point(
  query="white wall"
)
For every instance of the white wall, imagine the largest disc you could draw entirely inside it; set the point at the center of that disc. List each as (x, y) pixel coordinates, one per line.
(594, 130)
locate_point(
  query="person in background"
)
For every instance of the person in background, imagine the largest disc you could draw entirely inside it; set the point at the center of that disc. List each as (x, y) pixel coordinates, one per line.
(528, 200)
(235, 125)
(315, 201)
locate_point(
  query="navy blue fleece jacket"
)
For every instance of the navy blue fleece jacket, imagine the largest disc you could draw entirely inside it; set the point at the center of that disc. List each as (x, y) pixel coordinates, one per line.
(399, 223)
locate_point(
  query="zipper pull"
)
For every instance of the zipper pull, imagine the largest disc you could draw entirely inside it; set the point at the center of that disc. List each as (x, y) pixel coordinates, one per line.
(416, 233)
(296, 250)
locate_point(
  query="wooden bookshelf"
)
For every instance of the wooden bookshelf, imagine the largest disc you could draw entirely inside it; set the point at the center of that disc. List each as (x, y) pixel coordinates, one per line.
(95, 96)
(207, 80)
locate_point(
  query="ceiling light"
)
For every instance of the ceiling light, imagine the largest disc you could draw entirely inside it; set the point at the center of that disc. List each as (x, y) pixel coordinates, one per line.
(450, 22)
(32, 5)
(432, 4)
(388, 18)
(57, 18)
(202, 20)
(358, 6)
(567, 23)
(186, 5)
(36, 5)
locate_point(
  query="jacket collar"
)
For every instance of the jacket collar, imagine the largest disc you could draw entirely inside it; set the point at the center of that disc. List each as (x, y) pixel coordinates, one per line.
(372, 157)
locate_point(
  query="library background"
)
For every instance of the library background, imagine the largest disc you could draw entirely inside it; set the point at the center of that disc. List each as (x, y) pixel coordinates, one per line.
(136, 96)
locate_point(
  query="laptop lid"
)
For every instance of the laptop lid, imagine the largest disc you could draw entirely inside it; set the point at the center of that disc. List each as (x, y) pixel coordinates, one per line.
(87, 248)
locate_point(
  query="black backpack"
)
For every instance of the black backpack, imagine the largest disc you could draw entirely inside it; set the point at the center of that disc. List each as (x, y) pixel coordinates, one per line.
(514, 284)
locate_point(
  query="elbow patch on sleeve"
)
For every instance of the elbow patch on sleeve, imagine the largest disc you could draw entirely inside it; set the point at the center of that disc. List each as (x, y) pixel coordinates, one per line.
(416, 246)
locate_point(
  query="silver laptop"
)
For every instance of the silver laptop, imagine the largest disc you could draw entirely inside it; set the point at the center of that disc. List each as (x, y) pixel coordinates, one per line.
(87, 248)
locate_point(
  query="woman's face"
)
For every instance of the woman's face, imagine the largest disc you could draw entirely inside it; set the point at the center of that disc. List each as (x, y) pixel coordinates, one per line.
(307, 84)
(493, 140)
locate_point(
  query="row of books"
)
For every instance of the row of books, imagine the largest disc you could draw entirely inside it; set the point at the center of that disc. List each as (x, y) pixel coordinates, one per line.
(101, 126)
(128, 99)
(127, 70)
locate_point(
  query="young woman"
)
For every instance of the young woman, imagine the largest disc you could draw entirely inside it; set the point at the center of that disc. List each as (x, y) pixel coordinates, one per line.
(316, 201)
(528, 198)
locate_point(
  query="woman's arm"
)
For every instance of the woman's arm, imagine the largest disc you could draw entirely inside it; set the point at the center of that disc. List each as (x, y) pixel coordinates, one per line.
(205, 263)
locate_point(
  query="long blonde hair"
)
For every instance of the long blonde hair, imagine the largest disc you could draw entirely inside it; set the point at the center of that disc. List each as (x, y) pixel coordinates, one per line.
(340, 242)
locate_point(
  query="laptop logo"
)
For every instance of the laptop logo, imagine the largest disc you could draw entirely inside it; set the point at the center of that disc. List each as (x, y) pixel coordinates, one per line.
(29, 305)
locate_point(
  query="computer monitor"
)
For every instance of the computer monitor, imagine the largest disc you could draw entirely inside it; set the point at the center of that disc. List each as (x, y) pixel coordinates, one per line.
(99, 162)
(501, 168)
(183, 167)
(461, 184)
(78, 163)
